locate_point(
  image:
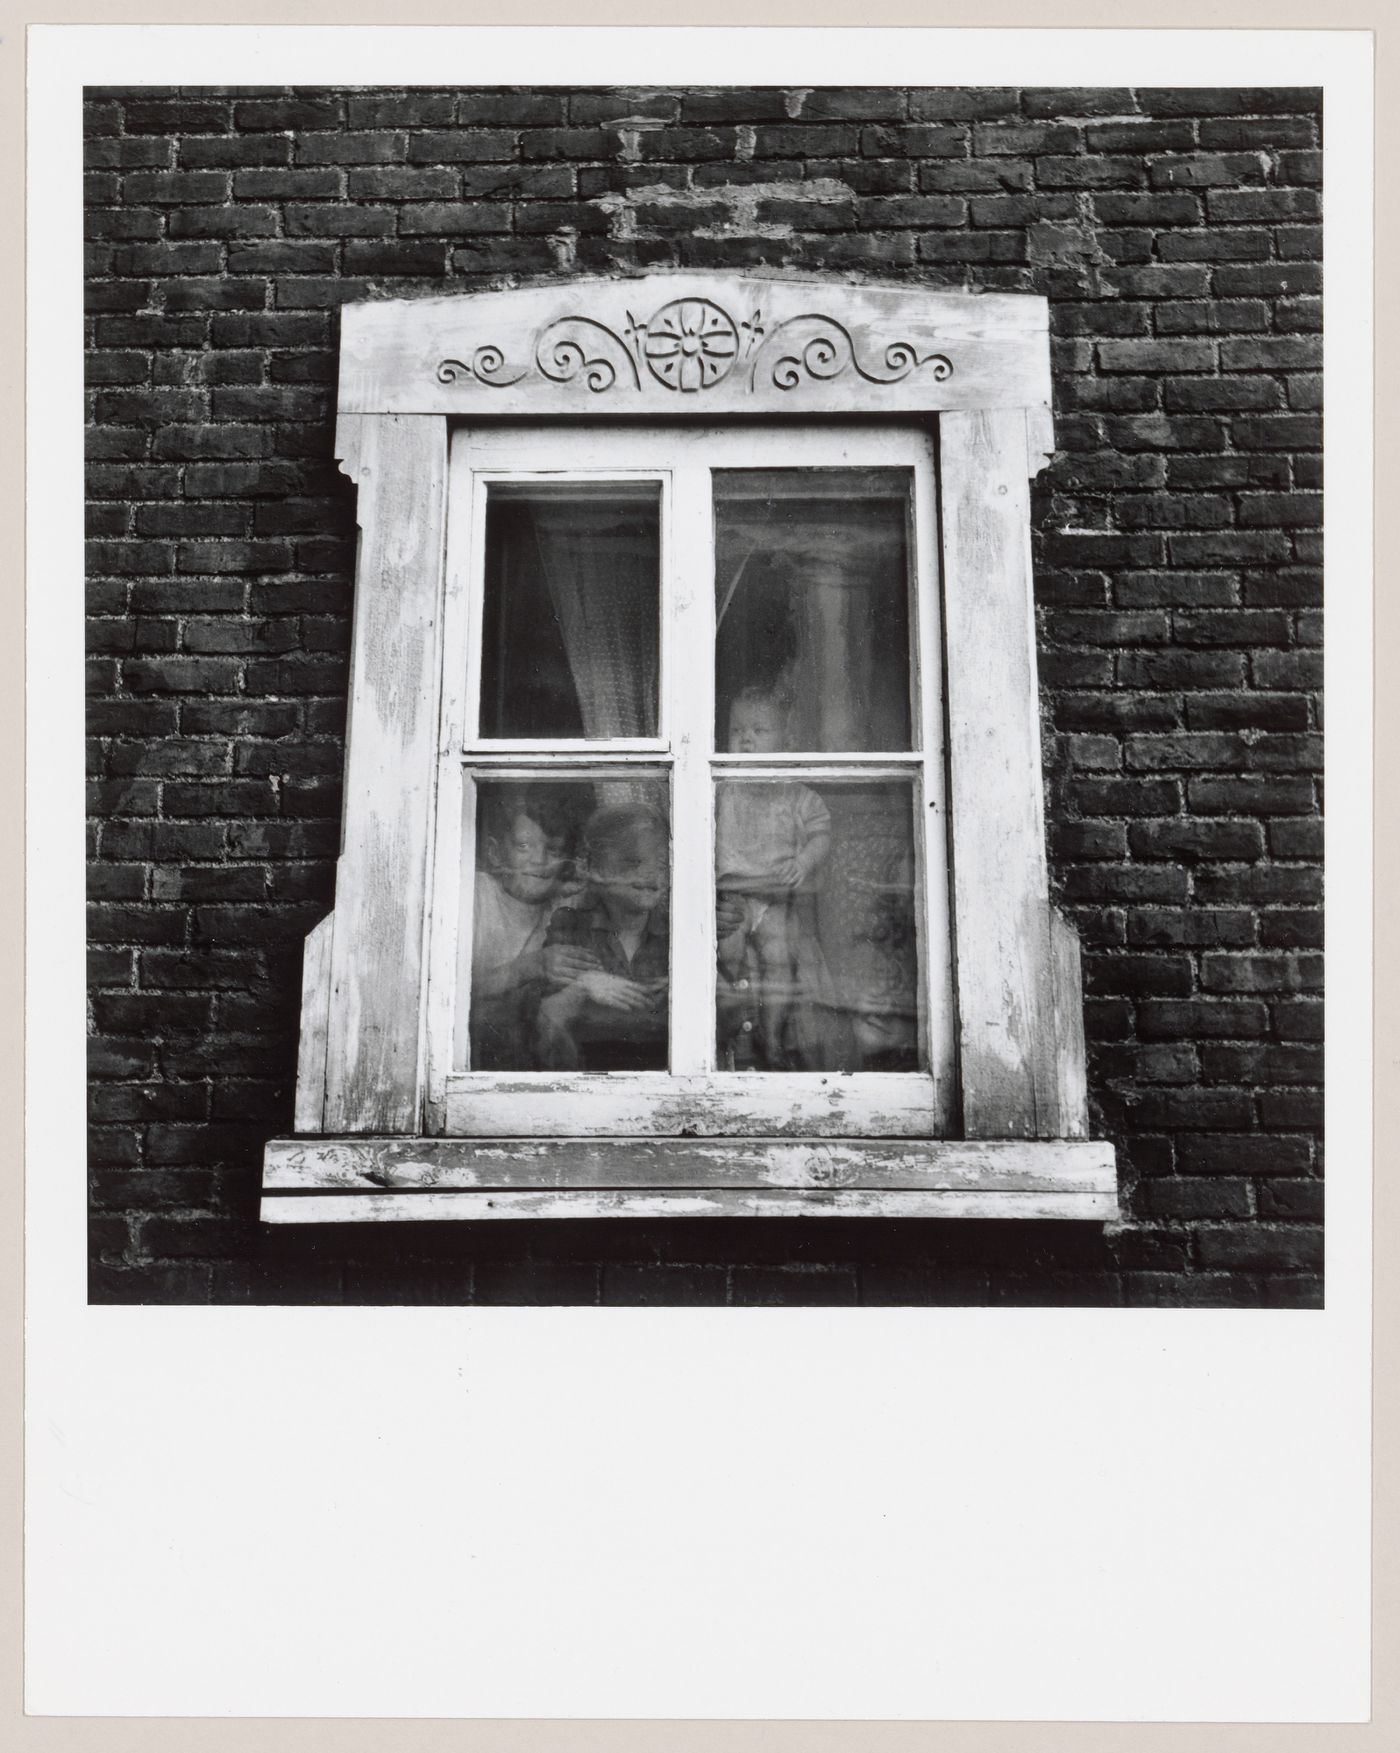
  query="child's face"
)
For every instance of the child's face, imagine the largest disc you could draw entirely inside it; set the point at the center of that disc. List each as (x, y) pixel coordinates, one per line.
(527, 862)
(633, 873)
(755, 728)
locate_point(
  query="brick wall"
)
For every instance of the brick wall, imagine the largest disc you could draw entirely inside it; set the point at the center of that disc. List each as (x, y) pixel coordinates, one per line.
(1176, 234)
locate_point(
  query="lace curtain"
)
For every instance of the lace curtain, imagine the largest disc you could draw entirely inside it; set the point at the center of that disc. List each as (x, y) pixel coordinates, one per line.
(603, 586)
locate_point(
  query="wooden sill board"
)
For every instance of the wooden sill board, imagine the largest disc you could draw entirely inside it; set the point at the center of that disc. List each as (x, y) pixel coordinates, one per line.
(367, 1180)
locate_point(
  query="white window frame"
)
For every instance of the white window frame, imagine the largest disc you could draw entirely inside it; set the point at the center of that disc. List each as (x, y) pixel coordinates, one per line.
(436, 392)
(693, 1095)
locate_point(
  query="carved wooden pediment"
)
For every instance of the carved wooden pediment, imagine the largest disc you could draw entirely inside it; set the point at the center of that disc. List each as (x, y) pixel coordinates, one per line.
(695, 345)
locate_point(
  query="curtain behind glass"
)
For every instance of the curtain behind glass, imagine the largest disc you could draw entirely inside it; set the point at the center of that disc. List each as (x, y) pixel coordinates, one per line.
(602, 584)
(812, 603)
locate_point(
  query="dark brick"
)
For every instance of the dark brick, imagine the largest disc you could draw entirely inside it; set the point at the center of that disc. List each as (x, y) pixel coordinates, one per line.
(567, 143)
(508, 109)
(151, 1014)
(341, 220)
(1268, 281)
(1241, 795)
(1297, 1108)
(664, 1286)
(1262, 884)
(685, 145)
(350, 148)
(234, 151)
(1194, 1290)
(1300, 167)
(420, 110)
(1257, 1249)
(229, 797)
(1281, 353)
(1135, 975)
(1222, 101)
(901, 211)
(1127, 797)
(1208, 171)
(1160, 1063)
(536, 1282)
(1220, 316)
(1180, 1110)
(1185, 751)
(1211, 1019)
(985, 248)
(1291, 1199)
(117, 224)
(1158, 210)
(1190, 929)
(195, 1237)
(962, 176)
(1229, 136)
(794, 1286)
(185, 187)
(1263, 1063)
(1222, 395)
(945, 1285)
(1124, 882)
(1088, 712)
(113, 968)
(1187, 839)
(446, 219)
(1215, 246)
(1217, 1197)
(1250, 206)
(1093, 172)
(288, 114)
(1089, 840)
(1296, 839)
(1166, 432)
(1281, 712)
(238, 221)
(1254, 973)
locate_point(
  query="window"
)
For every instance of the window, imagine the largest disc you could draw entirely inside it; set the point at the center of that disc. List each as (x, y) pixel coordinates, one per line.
(703, 656)
(693, 848)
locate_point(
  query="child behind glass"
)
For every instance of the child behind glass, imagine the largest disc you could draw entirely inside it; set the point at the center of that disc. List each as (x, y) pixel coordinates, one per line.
(771, 837)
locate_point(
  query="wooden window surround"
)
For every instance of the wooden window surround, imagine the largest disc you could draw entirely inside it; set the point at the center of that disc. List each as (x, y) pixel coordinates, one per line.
(668, 378)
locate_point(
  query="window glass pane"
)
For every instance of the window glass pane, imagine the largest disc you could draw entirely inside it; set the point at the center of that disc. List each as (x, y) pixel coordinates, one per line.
(570, 900)
(570, 633)
(818, 926)
(812, 608)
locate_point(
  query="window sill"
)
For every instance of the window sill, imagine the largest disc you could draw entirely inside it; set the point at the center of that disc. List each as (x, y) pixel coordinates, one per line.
(367, 1180)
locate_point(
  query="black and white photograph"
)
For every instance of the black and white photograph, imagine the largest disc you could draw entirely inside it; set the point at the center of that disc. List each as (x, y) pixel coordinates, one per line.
(698, 962)
(705, 695)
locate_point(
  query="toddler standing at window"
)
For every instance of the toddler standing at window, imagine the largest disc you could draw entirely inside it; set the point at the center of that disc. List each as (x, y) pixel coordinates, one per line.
(770, 840)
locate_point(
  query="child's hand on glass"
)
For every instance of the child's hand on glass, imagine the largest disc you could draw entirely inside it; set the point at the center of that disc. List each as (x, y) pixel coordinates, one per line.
(614, 992)
(565, 962)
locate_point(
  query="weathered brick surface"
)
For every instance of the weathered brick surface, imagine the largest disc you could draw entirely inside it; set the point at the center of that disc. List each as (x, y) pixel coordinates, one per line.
(1178, 581)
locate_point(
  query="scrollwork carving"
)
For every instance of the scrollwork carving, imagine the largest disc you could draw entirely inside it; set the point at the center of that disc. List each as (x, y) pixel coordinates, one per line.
(691, 345)
(577, 346)
(818, 347)
(486, 366)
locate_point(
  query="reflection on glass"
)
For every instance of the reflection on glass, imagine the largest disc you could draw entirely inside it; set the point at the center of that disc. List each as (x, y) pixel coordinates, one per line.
(570, 635)
(812, 603)
(570, 937)
(818, 940)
